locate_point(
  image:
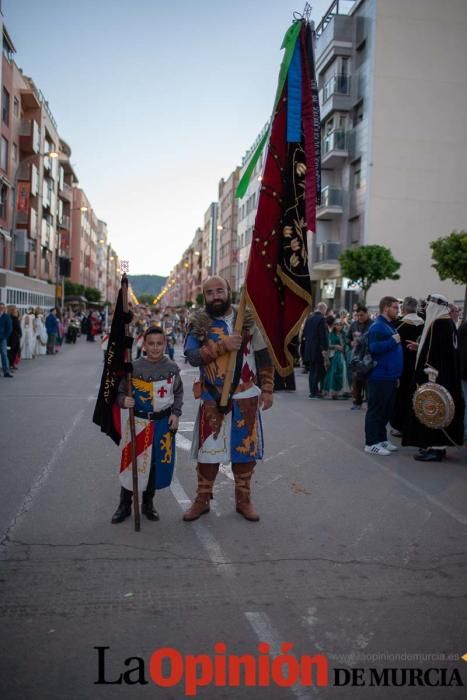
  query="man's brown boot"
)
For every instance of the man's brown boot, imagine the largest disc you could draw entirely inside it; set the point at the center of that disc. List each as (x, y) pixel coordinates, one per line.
(206, 476)
(243, 474)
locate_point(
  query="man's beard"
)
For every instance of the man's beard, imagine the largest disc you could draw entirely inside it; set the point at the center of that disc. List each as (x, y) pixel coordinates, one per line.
(218, 308)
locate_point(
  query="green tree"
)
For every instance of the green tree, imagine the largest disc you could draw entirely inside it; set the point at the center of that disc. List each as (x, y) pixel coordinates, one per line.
(450, 259)
(73, 289)
(92, 294)
(368, 264)
(146, 298)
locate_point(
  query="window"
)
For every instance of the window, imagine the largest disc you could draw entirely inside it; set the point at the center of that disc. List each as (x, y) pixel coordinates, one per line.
(354, 230)
(4, 154)
(3, 201)
(360, 54)
(5, 106)
(7, 50)
(357, 115)
(357, 174)
(16, 107)
(14, 152)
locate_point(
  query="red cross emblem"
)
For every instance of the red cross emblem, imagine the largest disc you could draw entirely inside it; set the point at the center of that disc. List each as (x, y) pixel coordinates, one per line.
(162, 392)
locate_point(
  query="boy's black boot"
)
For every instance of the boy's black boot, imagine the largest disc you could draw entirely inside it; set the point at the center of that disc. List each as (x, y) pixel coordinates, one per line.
(124, 507)
(147, 507)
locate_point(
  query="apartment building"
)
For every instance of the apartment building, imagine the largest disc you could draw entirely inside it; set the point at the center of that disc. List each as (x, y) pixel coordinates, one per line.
(391, 75)
(247, 207)
(39, 201)
(226, 229)
(209, 249)
(84, 224)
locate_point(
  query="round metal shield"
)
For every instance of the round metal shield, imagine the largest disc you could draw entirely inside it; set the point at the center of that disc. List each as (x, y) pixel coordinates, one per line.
(433, 405)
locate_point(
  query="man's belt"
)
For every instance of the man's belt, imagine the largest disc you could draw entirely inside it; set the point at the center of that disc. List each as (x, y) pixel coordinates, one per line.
(153, 415)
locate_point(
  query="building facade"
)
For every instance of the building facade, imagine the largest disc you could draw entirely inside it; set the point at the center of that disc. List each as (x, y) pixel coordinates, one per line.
(247, 207)
(226, 229)
(391, 76)
(209, 250)
(38, 197)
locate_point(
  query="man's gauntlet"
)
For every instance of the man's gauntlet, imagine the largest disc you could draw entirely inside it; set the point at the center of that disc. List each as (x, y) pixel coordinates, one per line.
(212, 350)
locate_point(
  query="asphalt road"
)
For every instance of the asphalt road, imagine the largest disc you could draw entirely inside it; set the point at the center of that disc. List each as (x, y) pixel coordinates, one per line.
(359, 558)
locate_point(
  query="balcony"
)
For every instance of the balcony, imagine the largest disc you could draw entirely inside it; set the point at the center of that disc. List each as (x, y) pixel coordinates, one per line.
(46, 234)
(65, 192)
(334, 149)
(326, 256)
(336, 26)
(338, 84)
(335, 95)
(29, 137)
(33, 223)
(64, 222)
(331, 204)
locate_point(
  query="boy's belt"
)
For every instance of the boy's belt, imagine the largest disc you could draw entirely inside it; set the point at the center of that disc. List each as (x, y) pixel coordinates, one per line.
(154, 415)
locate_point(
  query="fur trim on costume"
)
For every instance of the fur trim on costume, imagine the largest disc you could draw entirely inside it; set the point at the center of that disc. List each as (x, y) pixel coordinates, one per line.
(200, 324)
(201, 321)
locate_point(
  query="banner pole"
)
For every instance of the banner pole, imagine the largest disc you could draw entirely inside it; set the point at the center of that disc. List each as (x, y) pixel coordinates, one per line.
(233, 355)
(134, 461)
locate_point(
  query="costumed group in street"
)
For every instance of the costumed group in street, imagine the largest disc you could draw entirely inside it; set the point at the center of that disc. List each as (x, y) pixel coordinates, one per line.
(222, 434)
(382, 360)
(401, 394)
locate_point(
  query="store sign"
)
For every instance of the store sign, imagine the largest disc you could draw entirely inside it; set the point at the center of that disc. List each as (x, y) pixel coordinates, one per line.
(329, 289)
(24, 189)
(350, 285)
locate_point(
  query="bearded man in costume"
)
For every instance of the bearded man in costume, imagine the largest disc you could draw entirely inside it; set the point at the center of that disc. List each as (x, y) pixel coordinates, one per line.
(234, 435)
(438, 348)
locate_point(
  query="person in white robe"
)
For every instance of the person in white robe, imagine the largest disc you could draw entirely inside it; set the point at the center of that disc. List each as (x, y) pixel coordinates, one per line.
(41, 333)
(28, 338)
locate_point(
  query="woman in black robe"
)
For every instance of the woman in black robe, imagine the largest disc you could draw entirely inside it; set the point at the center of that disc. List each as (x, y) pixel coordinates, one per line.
(410, 328)
(438, 348)
(14, 340)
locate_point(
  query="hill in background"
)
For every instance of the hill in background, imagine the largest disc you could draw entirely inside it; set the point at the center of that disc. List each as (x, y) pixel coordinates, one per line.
(147, 284)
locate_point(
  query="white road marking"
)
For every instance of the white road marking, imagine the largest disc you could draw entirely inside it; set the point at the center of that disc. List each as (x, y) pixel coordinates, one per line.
(280, 454)
(186, 426)
(182, 442)
(40, 479)
(207, 540)
(266, 632)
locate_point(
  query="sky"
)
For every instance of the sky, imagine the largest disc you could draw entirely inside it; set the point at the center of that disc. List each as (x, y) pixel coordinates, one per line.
(158, 100)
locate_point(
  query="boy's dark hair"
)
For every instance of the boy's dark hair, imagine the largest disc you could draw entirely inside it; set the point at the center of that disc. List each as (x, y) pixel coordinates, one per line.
(153, 330)
(361, 308)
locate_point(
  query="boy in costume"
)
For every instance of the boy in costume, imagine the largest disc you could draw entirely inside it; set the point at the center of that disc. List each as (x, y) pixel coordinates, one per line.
(157, 399)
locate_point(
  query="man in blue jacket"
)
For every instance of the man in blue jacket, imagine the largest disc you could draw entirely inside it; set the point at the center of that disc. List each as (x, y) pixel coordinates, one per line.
(51, 326)
(6, 327)
(385, 346)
